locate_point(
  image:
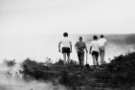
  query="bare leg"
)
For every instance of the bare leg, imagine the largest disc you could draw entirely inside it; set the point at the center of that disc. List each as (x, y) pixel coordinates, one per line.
(102, 55)
(94, 60)
(68, 57)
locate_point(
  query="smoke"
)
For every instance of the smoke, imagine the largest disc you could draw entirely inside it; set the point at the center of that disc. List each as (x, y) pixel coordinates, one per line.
(11, 81)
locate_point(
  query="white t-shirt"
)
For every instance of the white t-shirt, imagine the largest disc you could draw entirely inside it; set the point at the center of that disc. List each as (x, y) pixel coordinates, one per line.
(95, 46)
(102, 42)
(65, 42)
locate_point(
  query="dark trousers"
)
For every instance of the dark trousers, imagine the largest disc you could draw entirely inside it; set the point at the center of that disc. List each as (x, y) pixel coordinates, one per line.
(95, 55)
(81, 58)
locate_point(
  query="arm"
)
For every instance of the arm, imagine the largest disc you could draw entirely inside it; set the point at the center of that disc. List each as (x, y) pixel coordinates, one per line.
(76, 46)
(71, 46)
(59, 45)
(91, 44)
(86, 49)
(106, 43)
(90, 49)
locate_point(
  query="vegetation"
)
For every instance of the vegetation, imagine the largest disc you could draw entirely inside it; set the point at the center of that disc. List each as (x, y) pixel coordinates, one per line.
(118, 73)
(10, 63)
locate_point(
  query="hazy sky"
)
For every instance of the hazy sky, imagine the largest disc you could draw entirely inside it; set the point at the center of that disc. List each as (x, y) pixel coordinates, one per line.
(26, 26)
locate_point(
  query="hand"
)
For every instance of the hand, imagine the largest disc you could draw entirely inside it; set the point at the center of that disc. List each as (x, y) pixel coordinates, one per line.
(71, 51)
(59, 50)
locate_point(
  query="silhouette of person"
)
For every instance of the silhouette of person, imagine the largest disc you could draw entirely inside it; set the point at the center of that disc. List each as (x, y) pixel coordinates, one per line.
(102, 44)
(94, 50)
(81, 49)
(65, 47)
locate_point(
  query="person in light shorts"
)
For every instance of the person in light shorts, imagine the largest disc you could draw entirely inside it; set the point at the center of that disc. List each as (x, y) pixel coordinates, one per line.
(102, 44)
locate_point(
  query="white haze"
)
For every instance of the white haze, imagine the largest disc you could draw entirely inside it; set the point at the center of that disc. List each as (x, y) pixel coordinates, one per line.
(17, 83)
(32, 28)
(41, 46)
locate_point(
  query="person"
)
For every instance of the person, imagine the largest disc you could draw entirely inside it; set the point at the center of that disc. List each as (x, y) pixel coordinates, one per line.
(102, 44)
(94, 50)
(81, 49)
(65, 47)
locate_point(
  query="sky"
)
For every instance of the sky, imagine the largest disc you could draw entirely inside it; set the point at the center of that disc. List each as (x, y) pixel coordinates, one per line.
(32, 28)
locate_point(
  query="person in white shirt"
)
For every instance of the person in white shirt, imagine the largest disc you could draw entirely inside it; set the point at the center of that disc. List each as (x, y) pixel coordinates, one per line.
(102, 44)
(65, 47)
(94, 50)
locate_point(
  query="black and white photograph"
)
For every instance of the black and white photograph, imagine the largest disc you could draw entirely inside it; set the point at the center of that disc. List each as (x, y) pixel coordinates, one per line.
(67, 45)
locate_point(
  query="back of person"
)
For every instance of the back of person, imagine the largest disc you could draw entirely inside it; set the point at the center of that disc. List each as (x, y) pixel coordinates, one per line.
(80, 45)
(65, 42)
(80, 48)
(65, 47)
(94, 50)
(102, 43)
(94, 46)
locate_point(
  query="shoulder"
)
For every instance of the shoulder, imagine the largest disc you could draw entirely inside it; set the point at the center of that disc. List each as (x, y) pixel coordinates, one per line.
(84, 43)
(91, 43)
(60, 42)
(67, 39)
(105, 39)
(96, 42)
(77, 43)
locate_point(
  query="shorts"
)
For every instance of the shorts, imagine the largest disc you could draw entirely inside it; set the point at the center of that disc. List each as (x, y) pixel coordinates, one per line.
(95, 53)
(66, 50)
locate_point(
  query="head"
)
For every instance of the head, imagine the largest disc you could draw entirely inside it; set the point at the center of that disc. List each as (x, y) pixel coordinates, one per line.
(65, 34)
(95, 37)
(80, 38)
(102, 36)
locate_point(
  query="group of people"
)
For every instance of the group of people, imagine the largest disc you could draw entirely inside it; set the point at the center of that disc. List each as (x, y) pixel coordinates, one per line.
(97, 49)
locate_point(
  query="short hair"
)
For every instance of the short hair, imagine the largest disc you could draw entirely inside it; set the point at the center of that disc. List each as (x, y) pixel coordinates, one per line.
(95, 37)
(101, 36)
(80, 38)
(65, 34)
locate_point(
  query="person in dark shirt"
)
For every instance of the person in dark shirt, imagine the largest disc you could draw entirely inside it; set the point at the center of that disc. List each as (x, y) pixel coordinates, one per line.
(81, 49)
